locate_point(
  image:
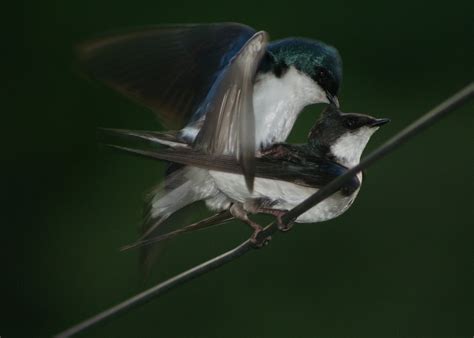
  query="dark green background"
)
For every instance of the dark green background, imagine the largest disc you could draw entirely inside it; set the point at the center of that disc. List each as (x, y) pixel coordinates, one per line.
(399, 263)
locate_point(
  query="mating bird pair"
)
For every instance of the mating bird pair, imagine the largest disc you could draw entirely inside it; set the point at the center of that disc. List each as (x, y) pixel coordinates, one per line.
(234, 98)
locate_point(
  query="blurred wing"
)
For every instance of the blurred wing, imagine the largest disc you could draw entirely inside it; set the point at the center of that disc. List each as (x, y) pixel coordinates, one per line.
(229, 127)
(150, 138)
(169, 69)
(165, 203)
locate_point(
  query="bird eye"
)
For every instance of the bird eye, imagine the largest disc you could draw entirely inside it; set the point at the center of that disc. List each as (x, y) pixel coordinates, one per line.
(321, 74)
(351, 123)
(325, 79)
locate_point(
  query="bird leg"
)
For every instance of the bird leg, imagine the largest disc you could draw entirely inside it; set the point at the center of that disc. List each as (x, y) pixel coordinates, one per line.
(240, 213)
(264, 206)
(278, 213)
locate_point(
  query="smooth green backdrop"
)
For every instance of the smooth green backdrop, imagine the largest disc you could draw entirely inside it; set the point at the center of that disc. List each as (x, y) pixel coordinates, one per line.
(399, 263)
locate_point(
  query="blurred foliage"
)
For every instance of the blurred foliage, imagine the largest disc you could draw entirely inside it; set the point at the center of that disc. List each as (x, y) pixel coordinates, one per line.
(399, 263)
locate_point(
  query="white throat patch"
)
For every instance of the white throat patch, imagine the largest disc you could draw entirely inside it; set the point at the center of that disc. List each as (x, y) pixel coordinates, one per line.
(278, 102)
(349, 147)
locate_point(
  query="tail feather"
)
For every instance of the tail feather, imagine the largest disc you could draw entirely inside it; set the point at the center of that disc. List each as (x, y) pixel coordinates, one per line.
(179, 190)
(214, 220)
(168, 138)
(165, 203)
(182, 186)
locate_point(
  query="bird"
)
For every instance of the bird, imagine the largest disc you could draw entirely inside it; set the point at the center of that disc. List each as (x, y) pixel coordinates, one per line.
(285, 174)
(223, 80)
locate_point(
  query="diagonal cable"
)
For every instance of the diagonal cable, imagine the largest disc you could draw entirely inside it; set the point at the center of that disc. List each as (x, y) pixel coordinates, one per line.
(457, 100)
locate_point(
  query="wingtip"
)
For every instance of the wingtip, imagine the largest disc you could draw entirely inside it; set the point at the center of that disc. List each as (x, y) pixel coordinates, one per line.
(129, 150)
(128, 247)
(249, 181)
(113, 146)
(247, 163)
(100, 131)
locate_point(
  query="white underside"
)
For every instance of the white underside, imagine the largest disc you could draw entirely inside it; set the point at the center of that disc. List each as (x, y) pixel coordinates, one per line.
(347, 151)
(277, 104)
(285, 195)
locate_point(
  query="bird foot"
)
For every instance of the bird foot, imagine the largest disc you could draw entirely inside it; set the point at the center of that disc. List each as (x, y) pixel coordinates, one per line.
(257, 240)
(278, 215)
(283, 227)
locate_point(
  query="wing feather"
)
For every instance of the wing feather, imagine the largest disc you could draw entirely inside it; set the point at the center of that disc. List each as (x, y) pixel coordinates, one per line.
(229, 126)
(313, 172)
(169, 69)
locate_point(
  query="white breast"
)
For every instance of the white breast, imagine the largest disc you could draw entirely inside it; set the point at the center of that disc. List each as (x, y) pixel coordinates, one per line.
(278, 101)
(286, 195)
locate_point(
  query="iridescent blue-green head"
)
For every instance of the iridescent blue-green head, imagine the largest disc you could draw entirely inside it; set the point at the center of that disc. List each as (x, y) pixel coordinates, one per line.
(317, 60)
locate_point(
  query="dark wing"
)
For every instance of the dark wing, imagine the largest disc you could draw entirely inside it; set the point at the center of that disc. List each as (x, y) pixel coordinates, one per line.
(153, 138)
(229, 126)
(311, 171)
(169, 69)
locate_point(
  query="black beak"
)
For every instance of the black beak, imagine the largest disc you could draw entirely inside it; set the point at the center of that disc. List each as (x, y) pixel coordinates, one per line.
(379, 122)
(332, 99)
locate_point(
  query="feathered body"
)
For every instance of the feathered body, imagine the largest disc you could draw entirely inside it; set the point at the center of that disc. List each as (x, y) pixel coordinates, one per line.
(230, 90)
(285, 174)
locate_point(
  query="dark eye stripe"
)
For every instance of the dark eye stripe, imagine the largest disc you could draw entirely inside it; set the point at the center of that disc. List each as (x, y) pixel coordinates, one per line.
(351, 123)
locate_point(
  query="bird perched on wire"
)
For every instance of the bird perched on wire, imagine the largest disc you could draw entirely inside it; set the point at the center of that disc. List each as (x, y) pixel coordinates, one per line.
(226, 80)
(285, 174)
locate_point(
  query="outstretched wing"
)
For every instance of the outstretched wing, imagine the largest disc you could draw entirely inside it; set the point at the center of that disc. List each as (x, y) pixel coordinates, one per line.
(229, 126)
(169, 69)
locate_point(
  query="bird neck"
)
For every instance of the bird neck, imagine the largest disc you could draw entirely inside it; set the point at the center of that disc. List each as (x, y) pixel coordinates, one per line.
(279, 100)
(347, 149)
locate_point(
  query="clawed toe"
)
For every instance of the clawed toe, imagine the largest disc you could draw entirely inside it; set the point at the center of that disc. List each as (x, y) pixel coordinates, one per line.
(258, 242)
(283, 226)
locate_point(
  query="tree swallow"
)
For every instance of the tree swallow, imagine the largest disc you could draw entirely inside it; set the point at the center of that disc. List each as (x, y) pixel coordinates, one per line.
(227, 88)
(288, 174)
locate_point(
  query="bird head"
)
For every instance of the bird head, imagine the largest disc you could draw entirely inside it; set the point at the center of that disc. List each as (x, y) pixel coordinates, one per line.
(313, 59)
(344, 135)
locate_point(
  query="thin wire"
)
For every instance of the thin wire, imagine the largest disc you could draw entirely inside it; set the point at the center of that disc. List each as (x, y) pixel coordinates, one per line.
(454, 102)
